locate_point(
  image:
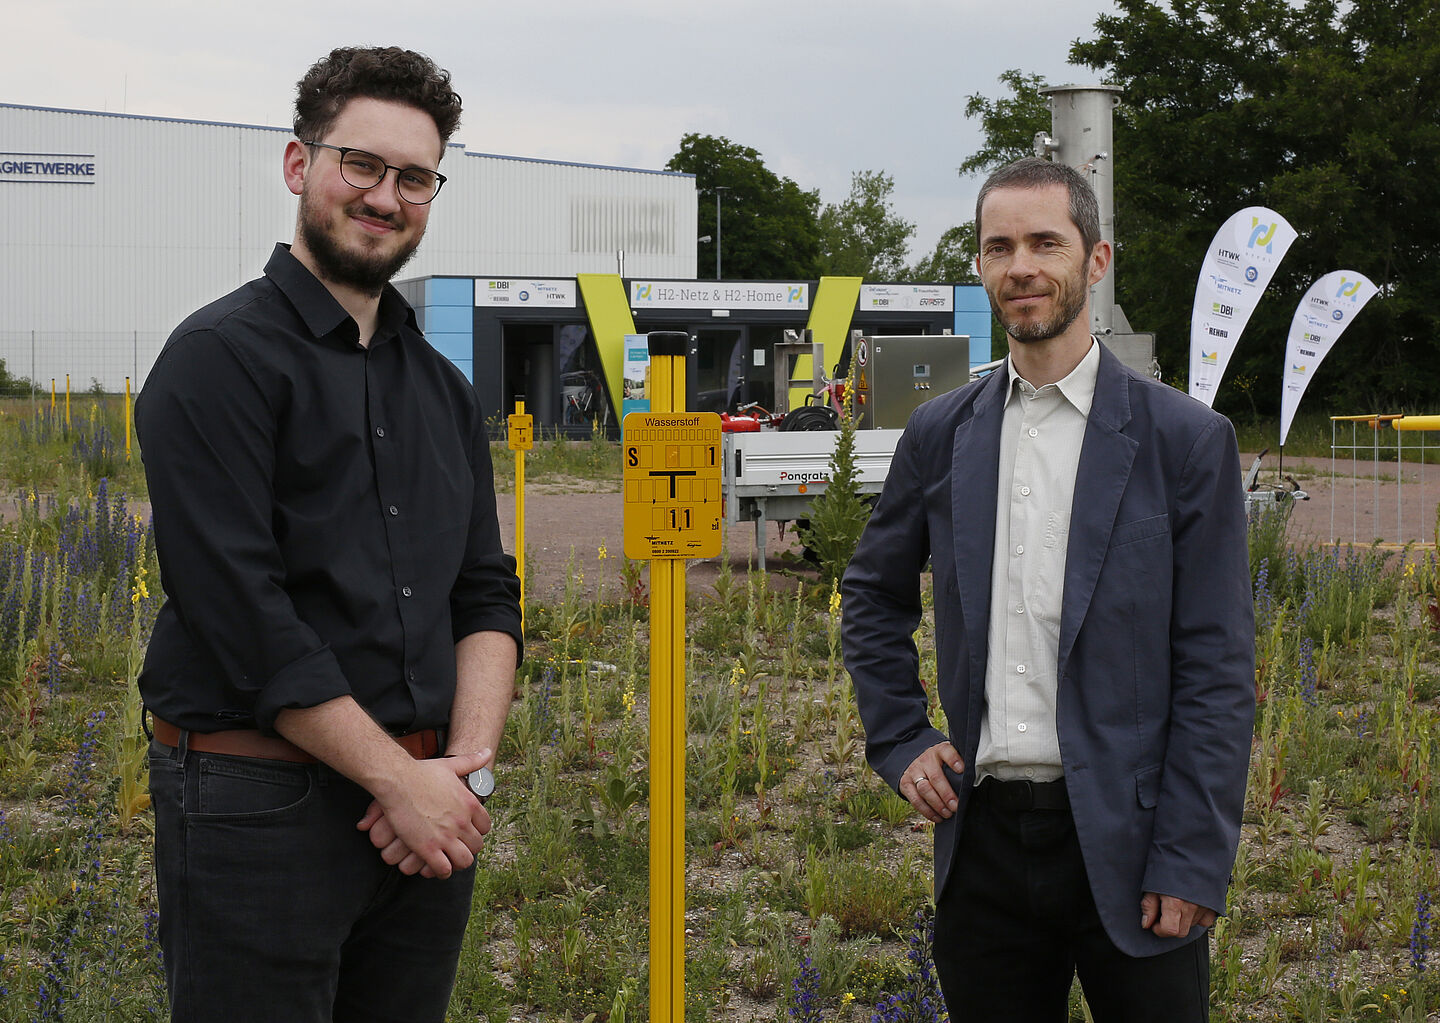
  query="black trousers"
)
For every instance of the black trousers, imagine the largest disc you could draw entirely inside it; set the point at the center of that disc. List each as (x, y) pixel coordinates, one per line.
(274, 907)
(1016, 923)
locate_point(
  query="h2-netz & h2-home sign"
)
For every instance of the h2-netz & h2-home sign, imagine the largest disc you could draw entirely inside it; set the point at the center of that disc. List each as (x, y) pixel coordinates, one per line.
(48, 168)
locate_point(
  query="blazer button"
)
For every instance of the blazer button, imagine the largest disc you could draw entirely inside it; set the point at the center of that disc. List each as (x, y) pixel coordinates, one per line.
(405, 590)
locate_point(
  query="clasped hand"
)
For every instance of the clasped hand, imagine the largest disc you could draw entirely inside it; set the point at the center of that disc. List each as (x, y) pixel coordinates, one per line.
(435, 825)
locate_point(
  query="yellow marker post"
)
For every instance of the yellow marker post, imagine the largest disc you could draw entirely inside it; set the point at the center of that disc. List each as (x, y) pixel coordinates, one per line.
(52, 399)
(671, 462)
(127, 419)
(67, 403)
(520, 438)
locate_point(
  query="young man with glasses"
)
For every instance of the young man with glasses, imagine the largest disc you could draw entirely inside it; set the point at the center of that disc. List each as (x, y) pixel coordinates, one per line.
(336, 656)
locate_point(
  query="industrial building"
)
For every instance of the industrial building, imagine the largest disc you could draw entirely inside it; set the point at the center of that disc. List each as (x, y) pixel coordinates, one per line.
(119, 225)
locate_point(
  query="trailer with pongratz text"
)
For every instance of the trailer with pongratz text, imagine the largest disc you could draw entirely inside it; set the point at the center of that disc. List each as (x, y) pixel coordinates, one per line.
(774, 476)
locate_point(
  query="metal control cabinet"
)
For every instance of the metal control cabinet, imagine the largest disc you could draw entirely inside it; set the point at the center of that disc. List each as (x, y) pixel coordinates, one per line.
(894, 374)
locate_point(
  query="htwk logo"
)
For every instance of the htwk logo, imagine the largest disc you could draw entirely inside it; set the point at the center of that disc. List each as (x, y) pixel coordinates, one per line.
(1262, 234)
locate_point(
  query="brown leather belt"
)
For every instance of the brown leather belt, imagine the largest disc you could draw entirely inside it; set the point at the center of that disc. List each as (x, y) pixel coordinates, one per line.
(247, 742)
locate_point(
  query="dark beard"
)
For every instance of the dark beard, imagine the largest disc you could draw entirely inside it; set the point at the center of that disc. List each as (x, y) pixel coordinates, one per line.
(367, 273)
(1043, 330)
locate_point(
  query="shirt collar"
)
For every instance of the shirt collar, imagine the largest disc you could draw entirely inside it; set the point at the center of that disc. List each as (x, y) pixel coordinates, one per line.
(1078, 386)
(325, 317)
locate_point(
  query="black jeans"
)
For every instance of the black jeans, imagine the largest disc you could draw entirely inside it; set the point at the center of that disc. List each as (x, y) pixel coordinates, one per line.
(1016, 923)
(273, 907)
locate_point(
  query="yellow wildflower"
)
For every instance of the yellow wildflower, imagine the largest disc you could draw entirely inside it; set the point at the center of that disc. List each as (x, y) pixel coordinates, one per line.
(602, 553)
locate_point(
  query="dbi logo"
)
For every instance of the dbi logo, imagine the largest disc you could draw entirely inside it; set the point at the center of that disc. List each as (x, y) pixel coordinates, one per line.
(1210, 358)
(1348, 289)
(1262, 235)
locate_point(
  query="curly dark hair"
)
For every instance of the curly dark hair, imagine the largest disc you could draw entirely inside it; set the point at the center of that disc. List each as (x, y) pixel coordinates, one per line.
(376, 72)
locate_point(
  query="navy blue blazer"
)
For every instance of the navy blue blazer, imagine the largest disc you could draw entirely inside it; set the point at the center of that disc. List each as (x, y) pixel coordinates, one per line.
(1155, 704)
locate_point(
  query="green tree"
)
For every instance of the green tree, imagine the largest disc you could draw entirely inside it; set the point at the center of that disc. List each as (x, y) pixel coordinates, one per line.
(953, 259)
(767, 223)
(1329, 115)
(1009, 123)
(864, 236)
(838, 514)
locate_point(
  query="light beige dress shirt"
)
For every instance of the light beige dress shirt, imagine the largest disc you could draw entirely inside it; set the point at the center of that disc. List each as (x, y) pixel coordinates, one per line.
(1040, 438)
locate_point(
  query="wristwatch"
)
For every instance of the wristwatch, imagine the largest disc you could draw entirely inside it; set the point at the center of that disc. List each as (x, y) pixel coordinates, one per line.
(481, 782)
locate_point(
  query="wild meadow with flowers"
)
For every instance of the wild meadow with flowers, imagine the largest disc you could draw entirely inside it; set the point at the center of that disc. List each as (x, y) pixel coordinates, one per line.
(808, 882)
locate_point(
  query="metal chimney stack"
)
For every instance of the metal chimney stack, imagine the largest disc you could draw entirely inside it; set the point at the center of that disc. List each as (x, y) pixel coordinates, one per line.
(1082, 135)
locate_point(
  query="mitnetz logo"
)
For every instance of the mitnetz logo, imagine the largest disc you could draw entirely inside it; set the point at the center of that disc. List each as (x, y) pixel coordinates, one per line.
(48, 168)
(1223, 285)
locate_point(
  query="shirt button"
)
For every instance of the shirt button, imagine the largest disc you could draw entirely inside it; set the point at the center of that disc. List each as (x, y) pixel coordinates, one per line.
(405, 590)
(394, 510)
(1034, 432)
(1024, 491)
(412, 674)
(1020, 727)
(1019, 548)
(379, 431)
(1029, 772)
(1019, 669)
(1020, 610)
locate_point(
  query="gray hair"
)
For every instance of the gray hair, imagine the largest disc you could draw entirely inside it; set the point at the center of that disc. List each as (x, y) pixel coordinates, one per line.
(1033, 172)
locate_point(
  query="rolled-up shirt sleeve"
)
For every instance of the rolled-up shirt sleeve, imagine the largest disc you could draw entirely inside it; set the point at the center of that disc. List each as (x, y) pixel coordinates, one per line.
(208, 438)
(486, 594)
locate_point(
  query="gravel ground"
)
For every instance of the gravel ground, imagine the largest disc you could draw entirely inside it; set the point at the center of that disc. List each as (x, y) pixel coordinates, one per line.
(584, 515)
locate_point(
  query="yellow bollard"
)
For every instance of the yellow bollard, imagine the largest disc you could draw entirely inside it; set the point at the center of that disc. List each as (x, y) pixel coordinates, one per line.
(667, 730)
(520, 439)
(673, 511)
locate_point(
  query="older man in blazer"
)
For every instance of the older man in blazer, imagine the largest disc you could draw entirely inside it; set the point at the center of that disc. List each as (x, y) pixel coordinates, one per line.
(1095, 640)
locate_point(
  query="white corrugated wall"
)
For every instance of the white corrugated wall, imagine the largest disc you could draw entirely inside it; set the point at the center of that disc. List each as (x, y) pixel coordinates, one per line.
(96, 275)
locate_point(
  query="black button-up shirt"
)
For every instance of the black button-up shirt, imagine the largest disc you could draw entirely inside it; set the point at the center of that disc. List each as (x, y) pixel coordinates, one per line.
(324, 512)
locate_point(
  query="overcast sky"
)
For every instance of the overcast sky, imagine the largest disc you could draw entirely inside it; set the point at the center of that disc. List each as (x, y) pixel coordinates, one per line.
(821, 88)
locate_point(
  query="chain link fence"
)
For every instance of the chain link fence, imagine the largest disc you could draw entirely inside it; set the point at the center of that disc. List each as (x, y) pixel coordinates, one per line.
(100, 362)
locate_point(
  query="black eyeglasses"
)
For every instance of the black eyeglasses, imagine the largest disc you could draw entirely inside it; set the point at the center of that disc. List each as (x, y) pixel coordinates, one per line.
(360, 169)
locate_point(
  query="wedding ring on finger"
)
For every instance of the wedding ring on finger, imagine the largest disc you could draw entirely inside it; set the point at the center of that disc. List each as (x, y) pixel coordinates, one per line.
(920, 779)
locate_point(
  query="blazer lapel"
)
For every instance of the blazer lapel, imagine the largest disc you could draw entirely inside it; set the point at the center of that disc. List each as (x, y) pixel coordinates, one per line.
(1106, 456)
(973, 486)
